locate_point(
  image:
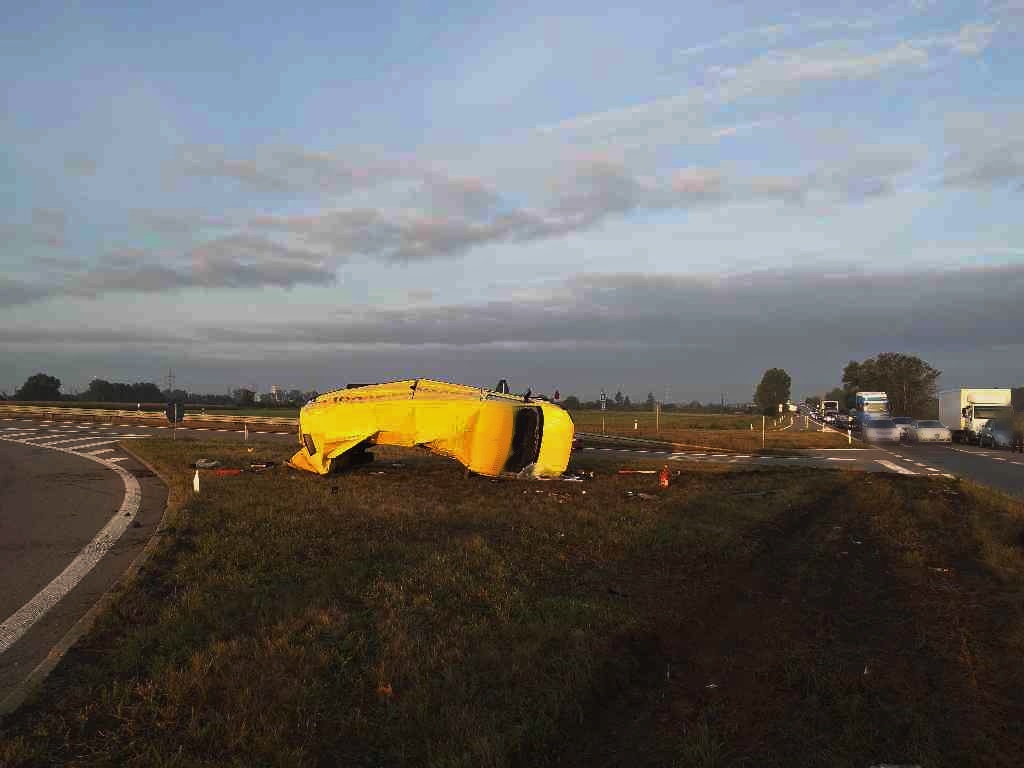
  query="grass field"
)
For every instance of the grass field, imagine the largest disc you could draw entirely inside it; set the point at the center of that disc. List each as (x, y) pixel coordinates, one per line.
(411, 616)
(728, 431)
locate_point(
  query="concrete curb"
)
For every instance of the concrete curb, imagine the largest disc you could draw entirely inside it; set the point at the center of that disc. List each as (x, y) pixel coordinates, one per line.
(20, 694)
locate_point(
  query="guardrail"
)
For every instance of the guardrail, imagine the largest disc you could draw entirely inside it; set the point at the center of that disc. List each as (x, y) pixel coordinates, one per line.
(94, 414)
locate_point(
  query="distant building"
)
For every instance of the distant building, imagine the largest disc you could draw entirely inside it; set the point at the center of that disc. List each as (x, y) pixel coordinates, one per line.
(275, 393)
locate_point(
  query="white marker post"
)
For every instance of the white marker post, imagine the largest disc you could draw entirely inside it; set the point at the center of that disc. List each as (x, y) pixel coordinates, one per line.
(245, 431)
(762, 430)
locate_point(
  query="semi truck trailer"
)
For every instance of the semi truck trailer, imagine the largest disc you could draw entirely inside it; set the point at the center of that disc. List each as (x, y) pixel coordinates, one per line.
(965, 411)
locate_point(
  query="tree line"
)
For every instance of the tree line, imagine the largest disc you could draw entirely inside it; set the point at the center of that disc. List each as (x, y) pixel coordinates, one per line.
(42, 387)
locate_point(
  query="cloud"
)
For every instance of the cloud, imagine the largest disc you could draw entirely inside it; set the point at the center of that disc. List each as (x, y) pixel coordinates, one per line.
(988, 150)
(780, 72)
(80, 164)
(632, 331)
(15, 292)
(234, 261)
(742, 311)
(290, 170)
(48, 226)
(176, 222)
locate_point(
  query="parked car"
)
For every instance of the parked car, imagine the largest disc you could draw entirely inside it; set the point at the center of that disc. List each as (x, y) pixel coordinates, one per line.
(928, 431)
(996, 434)
(881, 431)
(903, 422)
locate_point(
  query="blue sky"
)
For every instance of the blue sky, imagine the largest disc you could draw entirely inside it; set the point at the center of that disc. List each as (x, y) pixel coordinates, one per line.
(310, 195)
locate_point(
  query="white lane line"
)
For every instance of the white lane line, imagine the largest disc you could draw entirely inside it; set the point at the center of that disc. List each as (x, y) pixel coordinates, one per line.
(91, 445)
(118, 458)
(743, 456)
(931, 469)
(641, 450)
(201, 429)
(998, 458)
(837, 458)
(895, 467)
(78, 439)
(101, 450)
(19, 622)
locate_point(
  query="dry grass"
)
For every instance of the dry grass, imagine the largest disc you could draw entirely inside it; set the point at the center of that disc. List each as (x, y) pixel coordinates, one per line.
(419, 617)
(726, 431)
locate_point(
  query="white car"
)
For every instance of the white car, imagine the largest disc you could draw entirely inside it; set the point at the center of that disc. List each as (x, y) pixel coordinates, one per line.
(928, 431)
(881, 431)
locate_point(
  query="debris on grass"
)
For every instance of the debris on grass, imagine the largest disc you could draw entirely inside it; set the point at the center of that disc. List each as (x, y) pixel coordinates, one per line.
(204, 464)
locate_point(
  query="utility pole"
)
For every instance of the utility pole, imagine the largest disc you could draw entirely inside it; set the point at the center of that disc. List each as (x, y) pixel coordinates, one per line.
(170, 380)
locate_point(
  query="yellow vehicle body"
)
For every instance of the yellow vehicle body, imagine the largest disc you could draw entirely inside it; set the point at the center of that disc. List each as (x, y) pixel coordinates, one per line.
(488, 432)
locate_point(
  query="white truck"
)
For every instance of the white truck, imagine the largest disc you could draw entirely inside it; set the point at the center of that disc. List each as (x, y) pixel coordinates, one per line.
(830, 410)
(870, 406)
(965, 411)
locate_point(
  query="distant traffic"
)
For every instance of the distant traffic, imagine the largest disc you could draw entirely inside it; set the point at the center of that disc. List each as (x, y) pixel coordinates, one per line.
(981, 417)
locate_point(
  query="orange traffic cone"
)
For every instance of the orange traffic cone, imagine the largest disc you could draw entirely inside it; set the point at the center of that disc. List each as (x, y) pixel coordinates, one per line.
(663, 477)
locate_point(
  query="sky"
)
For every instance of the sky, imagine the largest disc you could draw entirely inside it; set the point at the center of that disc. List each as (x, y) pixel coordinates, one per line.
(667, 198)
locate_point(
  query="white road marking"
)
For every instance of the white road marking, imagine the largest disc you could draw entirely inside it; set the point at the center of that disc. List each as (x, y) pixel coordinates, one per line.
(895, 467)
(18, 623)
(931, 469)
(837, 458)
(101, 450)
(119, 458)
(92, 445)
(78, 439)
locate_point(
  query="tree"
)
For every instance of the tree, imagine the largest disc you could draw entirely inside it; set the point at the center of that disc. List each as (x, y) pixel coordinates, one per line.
(1017, 398)
(909, 381)
(626, 402)
(244, 396)
(39, 386)
(814, 402)
(618, 399)
(571, 403)
(773, 390)
(650, 402)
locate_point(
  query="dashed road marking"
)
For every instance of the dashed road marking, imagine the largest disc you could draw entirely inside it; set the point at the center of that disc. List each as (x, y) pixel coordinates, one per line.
(895, 467)
(101, 450)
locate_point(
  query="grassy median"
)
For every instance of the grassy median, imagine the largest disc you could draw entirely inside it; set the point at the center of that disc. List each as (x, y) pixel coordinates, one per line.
(408, 615)
(709, 430)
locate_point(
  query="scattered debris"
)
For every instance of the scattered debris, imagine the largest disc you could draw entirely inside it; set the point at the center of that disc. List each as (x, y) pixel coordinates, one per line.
(225, 472)
(711, 686)
(637, 472)
(640, 495)
(940, 570)
(384, 691)
(663, 477)
(204, 464)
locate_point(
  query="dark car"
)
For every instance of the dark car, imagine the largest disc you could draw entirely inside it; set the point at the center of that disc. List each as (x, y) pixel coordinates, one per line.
(903, 422)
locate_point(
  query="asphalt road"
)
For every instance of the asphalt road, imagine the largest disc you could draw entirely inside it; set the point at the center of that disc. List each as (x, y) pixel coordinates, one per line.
(59, 511)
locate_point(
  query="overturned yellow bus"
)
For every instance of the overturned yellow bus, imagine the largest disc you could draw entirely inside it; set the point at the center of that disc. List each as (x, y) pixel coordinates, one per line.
(489, 432)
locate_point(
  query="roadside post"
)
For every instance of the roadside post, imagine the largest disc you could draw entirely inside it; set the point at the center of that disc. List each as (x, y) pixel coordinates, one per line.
(762, 430)
(245, 431)
(849, 437)
(657, 418)
(604, 404)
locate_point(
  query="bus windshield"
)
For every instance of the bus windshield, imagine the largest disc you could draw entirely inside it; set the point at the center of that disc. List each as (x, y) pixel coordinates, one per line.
(876, 407)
